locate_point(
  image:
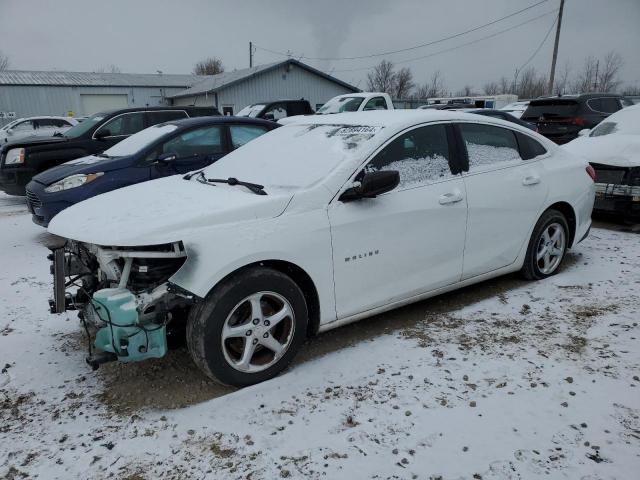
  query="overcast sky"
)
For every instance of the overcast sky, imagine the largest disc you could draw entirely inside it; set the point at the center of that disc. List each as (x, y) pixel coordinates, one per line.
(143, 36)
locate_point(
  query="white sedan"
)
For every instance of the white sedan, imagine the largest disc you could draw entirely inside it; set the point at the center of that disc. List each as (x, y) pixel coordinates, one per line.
(315, 225)
(613, 149)
(35, 126)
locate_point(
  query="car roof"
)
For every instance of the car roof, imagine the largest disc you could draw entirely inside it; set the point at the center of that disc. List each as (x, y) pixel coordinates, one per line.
(220, 120)
(151, 109)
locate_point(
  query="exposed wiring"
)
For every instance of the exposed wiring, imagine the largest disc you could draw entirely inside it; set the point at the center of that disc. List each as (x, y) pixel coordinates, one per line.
(415, 47)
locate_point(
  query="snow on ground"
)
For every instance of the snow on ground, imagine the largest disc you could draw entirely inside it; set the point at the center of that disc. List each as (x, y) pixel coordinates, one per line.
(504, 380)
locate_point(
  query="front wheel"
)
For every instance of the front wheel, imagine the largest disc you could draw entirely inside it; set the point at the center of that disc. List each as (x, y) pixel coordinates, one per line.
(249, 328)
(548, 244)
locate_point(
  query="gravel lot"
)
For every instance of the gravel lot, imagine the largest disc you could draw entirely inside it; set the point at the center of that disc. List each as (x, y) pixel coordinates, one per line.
(503, 380)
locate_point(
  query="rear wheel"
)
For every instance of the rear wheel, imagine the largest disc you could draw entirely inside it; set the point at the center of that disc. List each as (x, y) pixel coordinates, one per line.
(249, 328)
(547, 247)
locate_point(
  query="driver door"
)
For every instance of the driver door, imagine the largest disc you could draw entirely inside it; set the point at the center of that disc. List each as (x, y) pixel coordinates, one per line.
(194, 149)
(407, 241)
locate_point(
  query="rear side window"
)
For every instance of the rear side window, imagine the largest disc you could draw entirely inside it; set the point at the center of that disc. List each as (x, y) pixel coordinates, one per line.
(153, 118)
(241, 134)
(421, 156)
(529, 148)
(604, 104)
(488, 145)
(376, 103)
(550, 109)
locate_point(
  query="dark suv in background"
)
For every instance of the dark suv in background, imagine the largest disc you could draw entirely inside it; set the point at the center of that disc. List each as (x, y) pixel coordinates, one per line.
(22, 159)
(561, 118)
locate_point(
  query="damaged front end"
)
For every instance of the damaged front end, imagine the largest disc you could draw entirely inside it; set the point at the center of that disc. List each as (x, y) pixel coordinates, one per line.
(123, 296)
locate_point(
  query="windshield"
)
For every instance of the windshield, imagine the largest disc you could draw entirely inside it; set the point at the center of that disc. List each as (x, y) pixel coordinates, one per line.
(294, 156)
(251, 110)
(136, 142)
(9, 125)
(341, 104)
(551, 109)
(83, 127)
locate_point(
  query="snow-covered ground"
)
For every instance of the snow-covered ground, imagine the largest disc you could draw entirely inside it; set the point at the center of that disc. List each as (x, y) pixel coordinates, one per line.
(504, 380)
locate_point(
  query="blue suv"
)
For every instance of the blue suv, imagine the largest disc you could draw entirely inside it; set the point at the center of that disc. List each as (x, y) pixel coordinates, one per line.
(165, 149)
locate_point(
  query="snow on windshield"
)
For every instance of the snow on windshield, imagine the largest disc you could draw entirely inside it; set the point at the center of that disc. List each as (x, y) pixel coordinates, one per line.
(251, 110)
(294, 156)
(138, 141)
(341, 104)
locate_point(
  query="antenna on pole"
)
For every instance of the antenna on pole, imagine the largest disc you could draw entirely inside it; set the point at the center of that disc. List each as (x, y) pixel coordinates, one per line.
(250, 54)
(555, 49)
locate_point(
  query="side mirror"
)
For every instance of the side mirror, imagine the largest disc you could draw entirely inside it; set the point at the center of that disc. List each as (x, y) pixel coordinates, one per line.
(584, 132)
(166, 158)
(10, 131)
(103, 133)
(372, 185)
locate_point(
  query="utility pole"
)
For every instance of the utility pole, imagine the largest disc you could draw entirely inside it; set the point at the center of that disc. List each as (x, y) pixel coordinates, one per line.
(595, 82)
(555, 49)
(250, 54)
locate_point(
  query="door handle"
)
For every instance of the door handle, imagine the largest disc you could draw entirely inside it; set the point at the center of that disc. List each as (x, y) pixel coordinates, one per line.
(448, 198)
(531, 180)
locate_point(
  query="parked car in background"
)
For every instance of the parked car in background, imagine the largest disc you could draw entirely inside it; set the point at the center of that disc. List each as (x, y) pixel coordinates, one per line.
(613, 149)
(21, 160)
(35, 126)
(502, 115)
(561, 118)
(516, 108)
(166, 149)
(350, 102)
(291, 234)
(277, 109)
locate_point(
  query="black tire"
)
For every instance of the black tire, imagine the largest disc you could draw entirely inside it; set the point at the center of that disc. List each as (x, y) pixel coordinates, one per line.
(531, 269)
(206, 321)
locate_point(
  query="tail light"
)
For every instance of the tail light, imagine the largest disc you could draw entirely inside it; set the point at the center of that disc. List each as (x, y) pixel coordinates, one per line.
(579, 121)
(591, 172)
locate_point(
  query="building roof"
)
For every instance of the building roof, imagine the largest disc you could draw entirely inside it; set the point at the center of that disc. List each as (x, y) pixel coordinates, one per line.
(89, 79)
(213, 83)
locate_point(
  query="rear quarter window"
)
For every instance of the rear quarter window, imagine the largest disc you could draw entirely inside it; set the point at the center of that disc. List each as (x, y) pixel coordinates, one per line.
(529, 148)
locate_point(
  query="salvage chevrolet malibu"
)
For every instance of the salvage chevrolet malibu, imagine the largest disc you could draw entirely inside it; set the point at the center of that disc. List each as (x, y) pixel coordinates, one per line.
(312, 226)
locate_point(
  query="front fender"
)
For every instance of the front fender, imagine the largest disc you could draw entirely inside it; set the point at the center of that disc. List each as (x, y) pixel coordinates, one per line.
(301, 239)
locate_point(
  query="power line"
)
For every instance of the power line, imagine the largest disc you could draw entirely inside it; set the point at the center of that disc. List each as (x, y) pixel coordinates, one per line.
(456, 47)
(408, 48)
(539, 46)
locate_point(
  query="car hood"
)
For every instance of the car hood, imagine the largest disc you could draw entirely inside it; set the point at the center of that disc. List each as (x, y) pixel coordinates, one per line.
(89, 164)
(618, 150)
(33, 140)
(163, 211)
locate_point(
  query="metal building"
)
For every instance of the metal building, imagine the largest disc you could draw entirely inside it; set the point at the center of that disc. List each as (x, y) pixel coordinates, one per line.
(30, 93)
(289, 79)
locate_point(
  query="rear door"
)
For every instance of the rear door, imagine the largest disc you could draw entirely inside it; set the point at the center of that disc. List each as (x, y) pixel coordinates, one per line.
(409, 240)
(506, 187)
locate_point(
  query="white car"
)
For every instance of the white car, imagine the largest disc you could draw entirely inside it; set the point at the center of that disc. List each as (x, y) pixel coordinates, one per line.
(39, 126)
(613, 149)
(516, 108)
(315, 225)
(350, 102)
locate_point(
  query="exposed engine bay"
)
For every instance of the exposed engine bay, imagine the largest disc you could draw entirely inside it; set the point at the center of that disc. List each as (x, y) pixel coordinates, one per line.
(123, 296)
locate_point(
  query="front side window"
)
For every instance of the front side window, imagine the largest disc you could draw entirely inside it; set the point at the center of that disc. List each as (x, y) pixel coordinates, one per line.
(201, 141)
(376, 103)
(275, 112)
(241, 134)
(488, 145)
(125, 124)
(26, 126)
(421, 156)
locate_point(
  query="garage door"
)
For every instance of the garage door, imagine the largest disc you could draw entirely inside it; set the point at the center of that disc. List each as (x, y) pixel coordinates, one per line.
(94, 103)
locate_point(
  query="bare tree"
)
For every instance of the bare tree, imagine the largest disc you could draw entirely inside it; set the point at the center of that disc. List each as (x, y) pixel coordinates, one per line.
(4, 61)
(562, 79)
(382, 78)
(631, 90)
(466, 91)
(108, 69)
(505, 85)
(585, 81)
(608, 80)
(530, 84)
(208, 66)
(491, 88)
(433, 88)
(403, 83)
